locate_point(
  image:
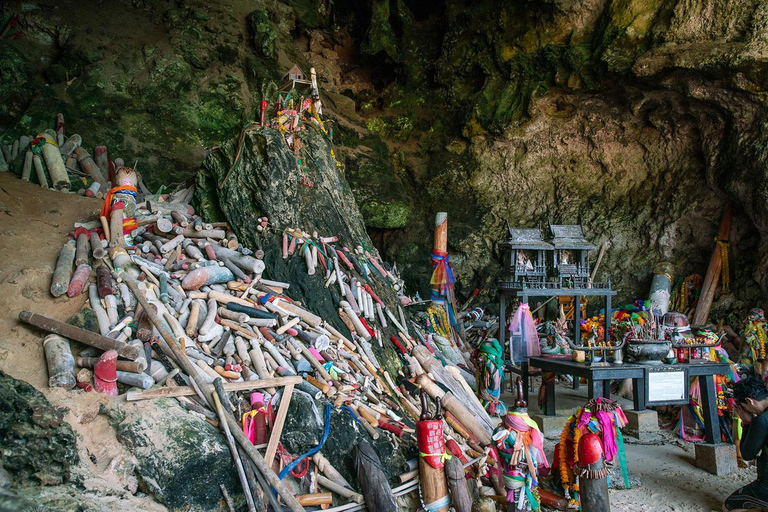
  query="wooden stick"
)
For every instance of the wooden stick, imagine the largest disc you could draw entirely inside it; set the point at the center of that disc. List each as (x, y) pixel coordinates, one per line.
(313, 361)
(230, 505)
(294, 321)
(365, 424)
(277, 429)
(217, 397)
(228, 386)
(339, 489)
(329, 471)
(310, 318)
(316, 499)
(75, 333)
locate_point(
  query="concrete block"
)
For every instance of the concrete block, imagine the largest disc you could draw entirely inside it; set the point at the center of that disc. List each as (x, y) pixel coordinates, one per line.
(550, 426)
(718, 459)
(643, 425)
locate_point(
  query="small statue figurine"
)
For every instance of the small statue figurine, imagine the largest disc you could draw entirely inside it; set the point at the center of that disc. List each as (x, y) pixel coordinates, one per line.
(125, 190)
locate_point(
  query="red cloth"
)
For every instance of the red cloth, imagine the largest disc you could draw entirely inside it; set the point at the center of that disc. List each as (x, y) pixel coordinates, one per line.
(429, 435)
(106, 207)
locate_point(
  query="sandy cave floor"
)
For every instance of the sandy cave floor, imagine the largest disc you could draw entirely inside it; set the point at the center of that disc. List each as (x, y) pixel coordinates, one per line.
(33, 228)
(34, 223)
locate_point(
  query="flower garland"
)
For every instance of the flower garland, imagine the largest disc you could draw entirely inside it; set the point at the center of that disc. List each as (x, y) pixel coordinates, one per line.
(761, 338)
(754, 340)
(565, 472)
(682, 295)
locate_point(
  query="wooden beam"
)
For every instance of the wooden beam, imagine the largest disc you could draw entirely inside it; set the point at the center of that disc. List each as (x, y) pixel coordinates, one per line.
(709, 287)
(277, 430)
(228, 386)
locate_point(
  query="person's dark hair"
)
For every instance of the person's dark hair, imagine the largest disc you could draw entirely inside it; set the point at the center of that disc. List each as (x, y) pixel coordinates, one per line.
(751, 387)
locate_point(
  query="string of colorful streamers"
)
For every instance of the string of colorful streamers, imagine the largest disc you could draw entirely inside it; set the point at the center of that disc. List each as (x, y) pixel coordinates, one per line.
(442, 277)
(521, 422)
(599, 416)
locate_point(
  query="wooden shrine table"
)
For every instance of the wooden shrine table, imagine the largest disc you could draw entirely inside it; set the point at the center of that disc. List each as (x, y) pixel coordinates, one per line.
(599, 383)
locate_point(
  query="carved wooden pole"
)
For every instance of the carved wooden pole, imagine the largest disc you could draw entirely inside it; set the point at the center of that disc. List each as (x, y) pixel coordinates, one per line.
(52, 157)
(429, 434)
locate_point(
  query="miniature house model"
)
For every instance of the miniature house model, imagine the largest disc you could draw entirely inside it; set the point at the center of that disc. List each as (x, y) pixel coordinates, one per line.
(295, 79)
(570, 263)
(533, 260)
(554, 264)
(525, 257)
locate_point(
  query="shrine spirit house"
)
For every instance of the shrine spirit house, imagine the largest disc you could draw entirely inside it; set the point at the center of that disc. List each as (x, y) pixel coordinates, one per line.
(552, 266)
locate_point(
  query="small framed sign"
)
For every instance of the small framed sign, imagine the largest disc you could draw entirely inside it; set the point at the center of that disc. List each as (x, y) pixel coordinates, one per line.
(666, 385)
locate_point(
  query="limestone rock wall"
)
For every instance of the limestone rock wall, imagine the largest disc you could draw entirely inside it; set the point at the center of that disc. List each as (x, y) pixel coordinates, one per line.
(642, 118)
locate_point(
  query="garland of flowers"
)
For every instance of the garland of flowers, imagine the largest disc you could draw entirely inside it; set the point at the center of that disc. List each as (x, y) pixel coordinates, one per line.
(754, 340)
(565, 471)
(722, 406)
(761, 338)
(682, 299)
(726, 279)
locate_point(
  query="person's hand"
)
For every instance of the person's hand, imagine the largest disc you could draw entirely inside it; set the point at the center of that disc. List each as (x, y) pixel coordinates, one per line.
(744, 415)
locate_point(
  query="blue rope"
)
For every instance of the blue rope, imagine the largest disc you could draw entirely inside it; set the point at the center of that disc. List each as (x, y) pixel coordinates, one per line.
(351, 413)
(287, 469)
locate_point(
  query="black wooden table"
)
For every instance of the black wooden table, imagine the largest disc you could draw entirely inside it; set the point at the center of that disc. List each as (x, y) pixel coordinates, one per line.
(599, 382)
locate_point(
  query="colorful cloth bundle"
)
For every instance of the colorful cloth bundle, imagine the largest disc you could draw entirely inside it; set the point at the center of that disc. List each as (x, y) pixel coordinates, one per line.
(599, 416)
(754, 336)
(522, 453)
(442, 277)
(491, 380)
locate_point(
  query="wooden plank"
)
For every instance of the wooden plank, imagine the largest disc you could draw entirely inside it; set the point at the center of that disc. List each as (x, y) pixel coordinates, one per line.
(277, 430)
(228, 386)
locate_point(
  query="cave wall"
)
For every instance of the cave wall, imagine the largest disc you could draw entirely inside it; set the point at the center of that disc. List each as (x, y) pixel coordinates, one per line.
(639, 118)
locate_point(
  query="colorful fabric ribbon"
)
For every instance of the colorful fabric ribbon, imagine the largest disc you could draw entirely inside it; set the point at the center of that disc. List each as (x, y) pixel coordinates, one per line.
(521, 422)
(106, 207)
(442, 277)
(492, 380)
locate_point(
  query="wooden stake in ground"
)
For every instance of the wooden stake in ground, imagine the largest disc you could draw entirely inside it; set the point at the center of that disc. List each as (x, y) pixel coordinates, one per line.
(713, 271)
(218, 396)
(429, 435)
(442, 277)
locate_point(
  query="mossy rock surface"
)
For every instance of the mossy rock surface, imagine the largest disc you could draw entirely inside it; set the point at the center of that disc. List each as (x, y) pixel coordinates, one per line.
(36, 445)
(180, 459)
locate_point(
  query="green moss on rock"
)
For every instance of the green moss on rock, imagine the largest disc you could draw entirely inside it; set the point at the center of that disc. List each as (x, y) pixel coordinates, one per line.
(262, 33)
(386, 215)
(36, 445)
